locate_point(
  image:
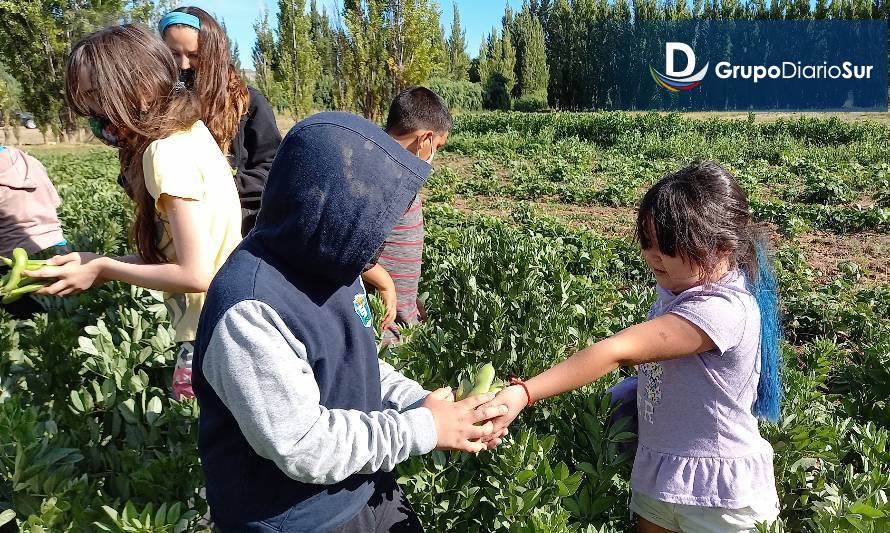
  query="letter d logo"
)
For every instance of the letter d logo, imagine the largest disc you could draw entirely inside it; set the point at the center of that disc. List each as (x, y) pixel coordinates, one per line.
(674, 80)
(669, 50)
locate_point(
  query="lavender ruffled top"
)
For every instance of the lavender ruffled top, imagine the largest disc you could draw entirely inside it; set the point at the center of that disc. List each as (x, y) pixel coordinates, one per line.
(698, 441)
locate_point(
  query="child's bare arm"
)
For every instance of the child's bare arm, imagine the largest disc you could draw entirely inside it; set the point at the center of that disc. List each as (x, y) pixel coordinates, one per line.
(665, 337)
(382, 281)
(191, 272)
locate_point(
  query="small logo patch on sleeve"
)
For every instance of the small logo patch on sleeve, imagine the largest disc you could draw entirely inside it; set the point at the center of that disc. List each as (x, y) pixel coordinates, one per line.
(362, 309)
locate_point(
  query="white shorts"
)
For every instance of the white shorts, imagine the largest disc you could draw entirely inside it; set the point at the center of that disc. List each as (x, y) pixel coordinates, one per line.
(698, 519)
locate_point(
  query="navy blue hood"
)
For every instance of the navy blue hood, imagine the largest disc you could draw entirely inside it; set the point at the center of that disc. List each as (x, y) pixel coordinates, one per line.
(337, 187)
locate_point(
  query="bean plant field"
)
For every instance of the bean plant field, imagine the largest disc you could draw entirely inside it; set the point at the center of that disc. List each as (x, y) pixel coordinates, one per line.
(529, 256)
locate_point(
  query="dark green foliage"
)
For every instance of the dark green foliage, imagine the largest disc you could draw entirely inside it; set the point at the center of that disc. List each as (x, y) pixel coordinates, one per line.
(536, 101)
(459, 95)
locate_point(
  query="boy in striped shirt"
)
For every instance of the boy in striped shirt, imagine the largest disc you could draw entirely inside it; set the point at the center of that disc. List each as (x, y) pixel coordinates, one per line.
(420, 121)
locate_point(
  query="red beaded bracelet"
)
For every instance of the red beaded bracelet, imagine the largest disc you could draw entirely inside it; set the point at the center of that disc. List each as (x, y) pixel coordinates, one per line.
(518, 381)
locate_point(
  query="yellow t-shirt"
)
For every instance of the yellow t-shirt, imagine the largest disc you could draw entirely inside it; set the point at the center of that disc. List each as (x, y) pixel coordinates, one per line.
(189, 164)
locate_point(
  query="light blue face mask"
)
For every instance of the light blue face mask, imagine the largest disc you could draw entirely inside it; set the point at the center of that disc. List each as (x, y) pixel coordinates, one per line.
(2, 148)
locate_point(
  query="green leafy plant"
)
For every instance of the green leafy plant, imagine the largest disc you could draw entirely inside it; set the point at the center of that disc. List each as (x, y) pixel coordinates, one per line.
(93, 440)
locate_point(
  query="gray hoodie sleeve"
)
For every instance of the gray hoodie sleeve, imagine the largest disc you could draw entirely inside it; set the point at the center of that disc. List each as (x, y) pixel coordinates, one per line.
(260, 372)
(399, 392)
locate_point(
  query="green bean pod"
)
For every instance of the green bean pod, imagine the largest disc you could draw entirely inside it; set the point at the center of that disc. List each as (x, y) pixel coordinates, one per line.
(19, 260)
(17, 293)
(26, 281)
(483, 381)
(31, 264)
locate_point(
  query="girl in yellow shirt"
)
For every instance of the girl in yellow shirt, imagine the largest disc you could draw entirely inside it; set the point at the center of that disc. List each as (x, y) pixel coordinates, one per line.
(188, 216)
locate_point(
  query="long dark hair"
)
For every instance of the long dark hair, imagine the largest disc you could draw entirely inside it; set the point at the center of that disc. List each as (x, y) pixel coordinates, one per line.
(133, 77)
(221, 92)
(701, 214)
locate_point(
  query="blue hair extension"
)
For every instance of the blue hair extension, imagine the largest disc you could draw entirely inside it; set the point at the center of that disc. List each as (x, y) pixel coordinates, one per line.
(766, 291)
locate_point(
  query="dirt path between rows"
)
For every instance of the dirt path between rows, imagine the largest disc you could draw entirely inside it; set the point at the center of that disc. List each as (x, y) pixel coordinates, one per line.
(824, 252)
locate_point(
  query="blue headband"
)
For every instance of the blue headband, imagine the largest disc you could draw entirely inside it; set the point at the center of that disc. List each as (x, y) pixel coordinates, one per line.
(178, 17)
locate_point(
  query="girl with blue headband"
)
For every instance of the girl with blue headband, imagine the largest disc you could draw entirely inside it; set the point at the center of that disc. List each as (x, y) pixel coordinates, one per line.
(239, 117)
(708, 359)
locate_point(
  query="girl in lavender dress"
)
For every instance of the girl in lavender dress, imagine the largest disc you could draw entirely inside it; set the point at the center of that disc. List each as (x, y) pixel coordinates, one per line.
(708, 359)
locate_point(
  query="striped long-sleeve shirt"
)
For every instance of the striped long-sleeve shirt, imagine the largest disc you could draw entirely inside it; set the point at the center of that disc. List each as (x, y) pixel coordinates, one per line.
(402, 256)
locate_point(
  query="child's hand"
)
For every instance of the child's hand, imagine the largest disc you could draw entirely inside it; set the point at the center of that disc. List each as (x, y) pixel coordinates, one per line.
(74, 272)
(491, 441)
(495, 439)
(514, 399)
(445, 393)
(455, 421)
(388, 295)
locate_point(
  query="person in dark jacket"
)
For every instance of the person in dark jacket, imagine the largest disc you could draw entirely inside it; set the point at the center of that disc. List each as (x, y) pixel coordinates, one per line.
(301, 423)
(239, 117)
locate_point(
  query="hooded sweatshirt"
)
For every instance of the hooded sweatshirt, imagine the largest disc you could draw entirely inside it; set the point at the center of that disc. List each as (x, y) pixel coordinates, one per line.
(28, 203)
(251, 154)
(298, 414)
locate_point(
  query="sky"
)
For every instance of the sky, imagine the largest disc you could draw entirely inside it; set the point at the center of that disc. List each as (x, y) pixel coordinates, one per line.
(477, 17)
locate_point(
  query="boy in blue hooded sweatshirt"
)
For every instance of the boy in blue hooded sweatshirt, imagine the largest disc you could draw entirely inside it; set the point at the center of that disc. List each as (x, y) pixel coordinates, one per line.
(301, 423)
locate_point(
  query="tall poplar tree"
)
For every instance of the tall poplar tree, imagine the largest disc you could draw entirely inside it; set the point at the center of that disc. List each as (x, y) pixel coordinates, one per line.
(234, 52)
(532, 72)
(389, 45)
(298, 63)
(497, 69)
(263, 54)
(322, 39)
(458, 60)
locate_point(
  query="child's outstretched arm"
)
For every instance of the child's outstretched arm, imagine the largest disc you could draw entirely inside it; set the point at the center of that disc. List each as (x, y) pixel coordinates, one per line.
(261, 373)
(191, 272)
(666, 337)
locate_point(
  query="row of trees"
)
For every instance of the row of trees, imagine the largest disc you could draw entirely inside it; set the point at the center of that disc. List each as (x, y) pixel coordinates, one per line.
(35, 39)
(355, 59)
(568, 54)
(358, 57)
(581, 35)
